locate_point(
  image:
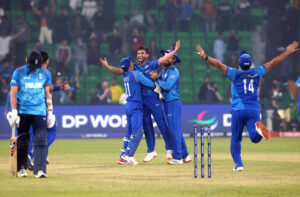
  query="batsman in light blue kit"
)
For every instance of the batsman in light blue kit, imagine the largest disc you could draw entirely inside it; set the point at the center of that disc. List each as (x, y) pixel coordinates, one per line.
(29, 95)
(168, 80)
(245, 106)
(134, 109)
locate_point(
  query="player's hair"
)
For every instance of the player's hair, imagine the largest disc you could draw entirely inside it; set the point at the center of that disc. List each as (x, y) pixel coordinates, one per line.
(144, 48)
(45, 56)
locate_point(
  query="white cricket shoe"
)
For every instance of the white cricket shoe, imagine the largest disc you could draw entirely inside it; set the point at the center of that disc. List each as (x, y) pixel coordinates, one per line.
(175, 162)
(122, 162)
(187, 159)
(169, 155)
(128, 159)
(22, 173)
(237, 169)
(133, 160)
(40, 174)
(262, 130)
(150, 156)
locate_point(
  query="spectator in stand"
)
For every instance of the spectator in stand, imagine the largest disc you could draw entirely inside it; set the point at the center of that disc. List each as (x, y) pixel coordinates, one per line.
(61, 26)
(21, 41)
(38, 46)
(243, 15)
(80, 27)
(116, 91)
(202, 96)
(6, 26)
(46, 22)
(63, 57)
(125, 32)
(154, 51)
(137, 20)
(151, 22)
(185, 15)
(233, 61)
(170, 17)
(89, 8)
(93, 49)
(209, 13)
(74, 4)
(80, 58)
(5, 42)
(99, 23)
(213, 95)
(232, 43)
(114, 46)
(224, 16)
(136, 41)
(219, 48)
(102, 96)
(6, 71)
(281, 102)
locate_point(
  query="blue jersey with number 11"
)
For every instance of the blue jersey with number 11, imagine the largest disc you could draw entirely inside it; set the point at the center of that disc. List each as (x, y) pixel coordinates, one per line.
(244, 85)
(132, 83)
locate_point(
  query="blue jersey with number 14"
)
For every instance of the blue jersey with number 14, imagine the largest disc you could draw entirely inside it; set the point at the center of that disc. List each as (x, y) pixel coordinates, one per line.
(244, 85)
(132, 82)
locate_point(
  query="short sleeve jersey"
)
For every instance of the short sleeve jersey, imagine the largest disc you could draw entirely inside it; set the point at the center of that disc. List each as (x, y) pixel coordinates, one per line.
(31, 94)
(145, 69)
(244, 85)
(133, 81)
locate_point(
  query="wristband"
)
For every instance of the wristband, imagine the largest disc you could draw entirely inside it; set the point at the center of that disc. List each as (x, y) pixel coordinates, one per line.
(206, 58)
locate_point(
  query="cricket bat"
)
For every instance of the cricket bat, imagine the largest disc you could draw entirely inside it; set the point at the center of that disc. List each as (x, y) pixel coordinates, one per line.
(13, 153)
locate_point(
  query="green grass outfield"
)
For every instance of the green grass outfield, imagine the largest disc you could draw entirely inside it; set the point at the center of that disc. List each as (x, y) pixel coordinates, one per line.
(89, 168)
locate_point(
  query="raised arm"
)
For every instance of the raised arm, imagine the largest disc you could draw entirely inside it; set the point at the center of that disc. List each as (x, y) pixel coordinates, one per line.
(169, 55)
(289, 50)
(214, 62)
(117, 71)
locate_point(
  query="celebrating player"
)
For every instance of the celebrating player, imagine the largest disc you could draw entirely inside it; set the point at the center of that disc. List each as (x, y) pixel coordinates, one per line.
(246, 109)
(151, 103)
(29, 90)
(168, 80)
(134, 109)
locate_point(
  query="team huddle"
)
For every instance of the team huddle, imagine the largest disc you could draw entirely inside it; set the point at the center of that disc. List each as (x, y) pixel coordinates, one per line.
(148, 94)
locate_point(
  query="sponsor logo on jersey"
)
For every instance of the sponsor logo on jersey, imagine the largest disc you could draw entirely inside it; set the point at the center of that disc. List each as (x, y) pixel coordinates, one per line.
(34, 85)
(26, 77)
(40, 76)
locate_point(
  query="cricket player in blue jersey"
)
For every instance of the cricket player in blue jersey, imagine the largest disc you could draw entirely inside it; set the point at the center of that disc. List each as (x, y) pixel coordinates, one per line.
(29, 100)
(168, 80)
(151, 102)
(134, 109)
(51, 126)
(245, 106)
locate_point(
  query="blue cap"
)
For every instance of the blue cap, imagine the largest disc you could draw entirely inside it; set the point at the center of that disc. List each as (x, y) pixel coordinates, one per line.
(245, 59)
(169, 51)
(125, 63)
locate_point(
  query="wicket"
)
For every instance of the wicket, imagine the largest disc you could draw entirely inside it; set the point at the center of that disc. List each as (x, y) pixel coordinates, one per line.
(203, 127)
